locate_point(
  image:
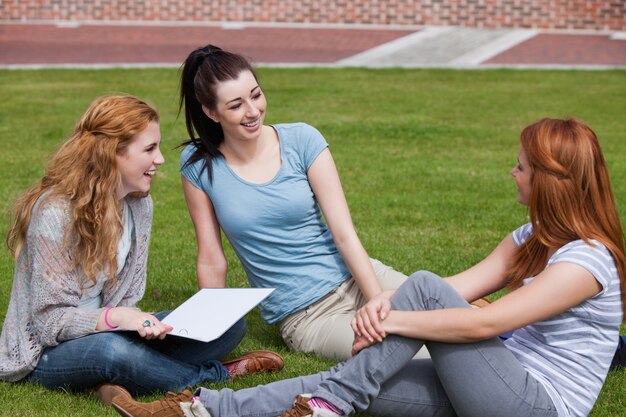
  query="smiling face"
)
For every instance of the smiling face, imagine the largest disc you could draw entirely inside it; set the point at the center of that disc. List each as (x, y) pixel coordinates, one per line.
(240, 107)
(139, 162)
(523, 175)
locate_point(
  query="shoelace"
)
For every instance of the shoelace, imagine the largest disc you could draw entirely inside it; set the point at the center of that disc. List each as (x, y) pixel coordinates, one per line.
(184, 396)
(170, 402)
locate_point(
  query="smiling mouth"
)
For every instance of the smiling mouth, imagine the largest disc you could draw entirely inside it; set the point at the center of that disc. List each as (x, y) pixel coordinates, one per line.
(150, 173)
(251, 124)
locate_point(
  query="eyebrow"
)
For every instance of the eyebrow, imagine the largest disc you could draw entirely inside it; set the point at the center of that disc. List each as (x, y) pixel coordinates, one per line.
(239, 98)
(156, 142)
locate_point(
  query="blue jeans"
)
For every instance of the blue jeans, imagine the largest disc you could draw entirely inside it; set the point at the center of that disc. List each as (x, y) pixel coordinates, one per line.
(471, 379)
(141, 366)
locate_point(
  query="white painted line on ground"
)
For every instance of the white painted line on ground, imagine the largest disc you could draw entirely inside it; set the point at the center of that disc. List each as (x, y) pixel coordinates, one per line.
(87, 66)
(618, 36)
(188, 23)
(485, 67)
(564, 67)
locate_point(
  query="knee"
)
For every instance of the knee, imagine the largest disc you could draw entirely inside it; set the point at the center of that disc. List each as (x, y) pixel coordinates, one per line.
(240, 328)
(422, 280)
(434, 291)
(417, 289)
(237, 332)
(424, 275)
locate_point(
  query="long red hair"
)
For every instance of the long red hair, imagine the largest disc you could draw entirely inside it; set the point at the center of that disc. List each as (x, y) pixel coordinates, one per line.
(570, 197)
(84, 171)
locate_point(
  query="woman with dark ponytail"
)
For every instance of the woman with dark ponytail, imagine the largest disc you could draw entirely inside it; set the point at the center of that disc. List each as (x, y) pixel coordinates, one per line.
(267, 187)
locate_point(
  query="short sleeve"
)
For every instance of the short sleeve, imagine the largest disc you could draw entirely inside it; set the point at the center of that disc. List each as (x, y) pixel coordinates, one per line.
(593, 256)
(521, 234)
(315, 143)
(191, 171)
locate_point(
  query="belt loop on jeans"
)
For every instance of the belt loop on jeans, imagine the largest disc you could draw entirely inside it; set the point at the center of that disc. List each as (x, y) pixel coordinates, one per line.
(344, 287)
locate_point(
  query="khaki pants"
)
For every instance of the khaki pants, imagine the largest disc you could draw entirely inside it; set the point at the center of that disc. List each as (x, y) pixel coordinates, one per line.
(323, 328)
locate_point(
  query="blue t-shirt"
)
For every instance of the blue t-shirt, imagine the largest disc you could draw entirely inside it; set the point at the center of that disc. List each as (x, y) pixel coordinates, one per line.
(276, 228)
(570, 353)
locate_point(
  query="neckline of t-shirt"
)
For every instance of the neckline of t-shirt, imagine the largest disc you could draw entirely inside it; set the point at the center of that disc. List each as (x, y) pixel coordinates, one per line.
(271, 180)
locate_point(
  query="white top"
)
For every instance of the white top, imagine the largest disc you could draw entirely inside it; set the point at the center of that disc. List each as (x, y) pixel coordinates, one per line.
(92, 295)
(570, 353)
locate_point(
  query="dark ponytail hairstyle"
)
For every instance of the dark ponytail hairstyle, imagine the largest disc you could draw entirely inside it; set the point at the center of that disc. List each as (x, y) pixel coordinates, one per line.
(203, 69)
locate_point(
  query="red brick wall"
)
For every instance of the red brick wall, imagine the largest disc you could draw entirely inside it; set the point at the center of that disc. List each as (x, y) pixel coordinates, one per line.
(553, 14)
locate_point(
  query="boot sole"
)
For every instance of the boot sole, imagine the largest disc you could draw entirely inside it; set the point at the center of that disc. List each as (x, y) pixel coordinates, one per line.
(121, 411)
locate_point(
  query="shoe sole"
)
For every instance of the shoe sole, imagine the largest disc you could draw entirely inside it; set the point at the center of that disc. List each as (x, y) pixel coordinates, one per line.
(105, 393)
(121, 411)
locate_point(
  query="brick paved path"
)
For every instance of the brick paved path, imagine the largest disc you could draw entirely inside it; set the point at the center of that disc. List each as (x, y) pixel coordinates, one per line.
(565, 49)
(49, 44)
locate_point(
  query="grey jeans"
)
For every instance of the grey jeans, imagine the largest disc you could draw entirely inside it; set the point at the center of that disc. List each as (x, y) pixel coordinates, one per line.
(474, 379)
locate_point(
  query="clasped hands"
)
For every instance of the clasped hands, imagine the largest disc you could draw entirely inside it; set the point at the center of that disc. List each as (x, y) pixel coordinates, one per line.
(367, 323)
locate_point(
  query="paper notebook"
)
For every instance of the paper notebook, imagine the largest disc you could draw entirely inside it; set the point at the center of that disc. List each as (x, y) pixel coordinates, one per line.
(211, 311)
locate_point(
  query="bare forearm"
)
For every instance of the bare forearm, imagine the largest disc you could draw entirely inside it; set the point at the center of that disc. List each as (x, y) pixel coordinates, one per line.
(360, 266)
(454, 325)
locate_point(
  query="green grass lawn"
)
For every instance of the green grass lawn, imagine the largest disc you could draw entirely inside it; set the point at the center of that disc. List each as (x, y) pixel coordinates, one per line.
(424, 157)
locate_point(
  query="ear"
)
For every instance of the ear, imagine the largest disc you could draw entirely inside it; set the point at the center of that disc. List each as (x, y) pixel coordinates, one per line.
(210, 114)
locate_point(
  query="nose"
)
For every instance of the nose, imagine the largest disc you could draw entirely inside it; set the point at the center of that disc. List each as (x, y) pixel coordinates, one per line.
(251, 110)
(159, 159)
(514, 171)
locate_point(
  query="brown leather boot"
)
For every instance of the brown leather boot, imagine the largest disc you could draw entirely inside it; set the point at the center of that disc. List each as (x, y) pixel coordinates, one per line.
(166, 407)
(301, 408)
(254, 361)
(106, 392)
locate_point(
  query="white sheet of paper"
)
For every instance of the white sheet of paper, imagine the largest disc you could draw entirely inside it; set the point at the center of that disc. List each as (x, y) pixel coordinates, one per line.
(207, 314)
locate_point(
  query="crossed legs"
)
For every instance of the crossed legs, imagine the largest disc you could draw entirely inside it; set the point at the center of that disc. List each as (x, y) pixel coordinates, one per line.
(474, 379)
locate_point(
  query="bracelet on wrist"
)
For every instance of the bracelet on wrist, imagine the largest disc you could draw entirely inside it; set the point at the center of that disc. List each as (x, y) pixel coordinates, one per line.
(106, 318)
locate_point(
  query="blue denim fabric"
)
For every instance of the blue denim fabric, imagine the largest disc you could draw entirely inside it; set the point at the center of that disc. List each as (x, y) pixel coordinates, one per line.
(142, 366)
(619, 359)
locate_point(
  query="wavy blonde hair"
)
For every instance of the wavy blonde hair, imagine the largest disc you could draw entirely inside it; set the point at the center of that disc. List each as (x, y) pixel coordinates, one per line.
(84, 171)
(570, 197)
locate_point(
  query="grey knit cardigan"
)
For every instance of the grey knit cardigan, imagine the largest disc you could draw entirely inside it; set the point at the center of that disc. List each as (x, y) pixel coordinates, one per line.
(43, 308)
